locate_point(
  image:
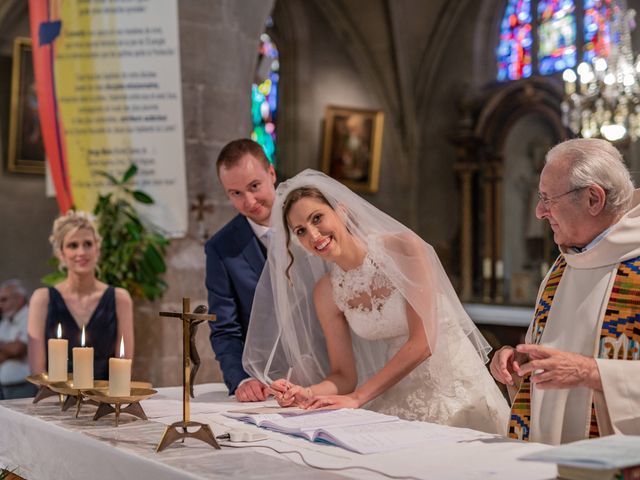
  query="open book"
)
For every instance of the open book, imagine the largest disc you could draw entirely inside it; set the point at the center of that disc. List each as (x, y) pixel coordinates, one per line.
(358, 430)
(611, 457)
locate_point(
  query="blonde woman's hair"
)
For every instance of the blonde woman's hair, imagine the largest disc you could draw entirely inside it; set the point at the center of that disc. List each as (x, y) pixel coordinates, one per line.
(68, 223)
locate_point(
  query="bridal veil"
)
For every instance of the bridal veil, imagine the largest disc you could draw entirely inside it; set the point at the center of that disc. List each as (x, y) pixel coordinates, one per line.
(284, 331)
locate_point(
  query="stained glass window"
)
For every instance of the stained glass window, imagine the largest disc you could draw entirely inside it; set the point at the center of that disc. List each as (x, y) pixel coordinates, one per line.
(559, 45)
(598, 15)
(514, 49)
(264, 97)
(556, 36)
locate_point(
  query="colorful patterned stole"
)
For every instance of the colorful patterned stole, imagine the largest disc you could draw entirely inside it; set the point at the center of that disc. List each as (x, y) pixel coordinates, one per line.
(619, 335)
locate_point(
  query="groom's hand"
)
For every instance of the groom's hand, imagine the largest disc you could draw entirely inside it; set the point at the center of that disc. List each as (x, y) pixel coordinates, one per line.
(251, 390)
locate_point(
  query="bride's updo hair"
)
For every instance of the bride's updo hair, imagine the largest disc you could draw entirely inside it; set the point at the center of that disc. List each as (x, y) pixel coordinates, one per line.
(289, 202)
(71, 222)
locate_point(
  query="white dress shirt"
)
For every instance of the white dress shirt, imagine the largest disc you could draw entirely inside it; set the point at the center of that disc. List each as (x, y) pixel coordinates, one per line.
(14, 370)
(263, 233)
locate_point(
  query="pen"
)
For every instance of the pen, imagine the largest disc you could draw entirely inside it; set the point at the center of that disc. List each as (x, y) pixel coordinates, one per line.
(288, 385)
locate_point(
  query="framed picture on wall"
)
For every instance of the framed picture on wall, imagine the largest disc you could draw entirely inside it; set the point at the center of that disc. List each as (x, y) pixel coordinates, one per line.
(352, 147)
(26, 149)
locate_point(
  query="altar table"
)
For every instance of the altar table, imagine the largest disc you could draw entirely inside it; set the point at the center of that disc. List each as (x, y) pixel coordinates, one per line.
(43, 443)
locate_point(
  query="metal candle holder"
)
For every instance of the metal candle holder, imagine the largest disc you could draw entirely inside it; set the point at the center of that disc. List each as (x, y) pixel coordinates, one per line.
(105, 402)
(41, 380)
(74, 395)
(179, 430)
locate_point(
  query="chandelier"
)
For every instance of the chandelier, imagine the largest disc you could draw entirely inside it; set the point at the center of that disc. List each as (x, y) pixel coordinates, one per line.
(602, 98)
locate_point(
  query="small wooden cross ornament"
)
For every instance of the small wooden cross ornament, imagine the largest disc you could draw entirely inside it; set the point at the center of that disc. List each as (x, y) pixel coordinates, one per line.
(200, 207)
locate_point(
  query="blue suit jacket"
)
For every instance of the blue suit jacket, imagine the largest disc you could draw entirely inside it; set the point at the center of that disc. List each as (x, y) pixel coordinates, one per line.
(234, 263)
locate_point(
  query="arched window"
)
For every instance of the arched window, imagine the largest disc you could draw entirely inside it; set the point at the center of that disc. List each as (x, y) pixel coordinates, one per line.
(264, 97)
(541, 36)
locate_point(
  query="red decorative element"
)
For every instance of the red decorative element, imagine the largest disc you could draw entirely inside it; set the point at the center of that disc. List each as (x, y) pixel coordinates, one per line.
(44, 29)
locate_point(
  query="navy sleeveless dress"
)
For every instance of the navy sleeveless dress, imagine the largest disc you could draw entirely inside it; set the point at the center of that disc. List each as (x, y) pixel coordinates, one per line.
(100, 332)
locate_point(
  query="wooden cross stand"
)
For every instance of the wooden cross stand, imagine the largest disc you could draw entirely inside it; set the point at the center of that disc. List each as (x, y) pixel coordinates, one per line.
(179, 430)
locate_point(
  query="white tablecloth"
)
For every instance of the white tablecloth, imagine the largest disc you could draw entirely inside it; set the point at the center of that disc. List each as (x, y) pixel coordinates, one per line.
(44, 443)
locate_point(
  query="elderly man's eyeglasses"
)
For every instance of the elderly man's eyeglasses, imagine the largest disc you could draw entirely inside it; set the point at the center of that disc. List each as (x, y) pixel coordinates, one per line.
(548, 201)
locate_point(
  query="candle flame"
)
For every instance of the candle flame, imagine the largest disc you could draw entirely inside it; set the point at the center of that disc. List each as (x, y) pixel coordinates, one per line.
(122, 347)
(59, 330)
(82, 338)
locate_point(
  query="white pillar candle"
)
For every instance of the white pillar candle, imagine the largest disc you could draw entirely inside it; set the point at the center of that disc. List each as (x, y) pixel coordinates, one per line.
(486, 268)
(82, 365)
(120, 374)
(58, 357)
(499, 269)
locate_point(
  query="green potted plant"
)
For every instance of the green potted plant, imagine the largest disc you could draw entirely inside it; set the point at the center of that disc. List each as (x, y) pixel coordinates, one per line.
(132, 252)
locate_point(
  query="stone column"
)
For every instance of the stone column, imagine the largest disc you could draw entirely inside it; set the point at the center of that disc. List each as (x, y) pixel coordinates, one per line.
(466, 172)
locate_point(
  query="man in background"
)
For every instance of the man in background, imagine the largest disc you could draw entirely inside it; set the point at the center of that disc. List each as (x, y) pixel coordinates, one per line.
(14, 367)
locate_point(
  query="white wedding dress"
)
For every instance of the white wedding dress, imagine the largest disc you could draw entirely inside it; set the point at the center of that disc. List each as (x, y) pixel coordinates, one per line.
(452, 387)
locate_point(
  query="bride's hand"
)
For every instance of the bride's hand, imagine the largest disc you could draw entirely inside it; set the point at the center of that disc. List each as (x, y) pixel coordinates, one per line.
(288, 394)
(278, 389)
(333, 402)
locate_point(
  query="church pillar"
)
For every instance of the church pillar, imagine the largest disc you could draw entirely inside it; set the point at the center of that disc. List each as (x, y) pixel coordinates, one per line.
(465, 173)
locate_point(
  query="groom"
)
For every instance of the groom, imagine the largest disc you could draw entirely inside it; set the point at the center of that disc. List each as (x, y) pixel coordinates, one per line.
(236, 255)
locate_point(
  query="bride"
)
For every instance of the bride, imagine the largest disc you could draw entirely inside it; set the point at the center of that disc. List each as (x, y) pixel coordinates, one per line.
(355, 310)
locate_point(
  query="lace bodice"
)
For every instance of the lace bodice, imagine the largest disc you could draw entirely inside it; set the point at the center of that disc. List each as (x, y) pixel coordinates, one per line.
(451, 387)
(374, 308)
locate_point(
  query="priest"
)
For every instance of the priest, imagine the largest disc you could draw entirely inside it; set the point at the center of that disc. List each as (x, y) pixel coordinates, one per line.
(577, 374)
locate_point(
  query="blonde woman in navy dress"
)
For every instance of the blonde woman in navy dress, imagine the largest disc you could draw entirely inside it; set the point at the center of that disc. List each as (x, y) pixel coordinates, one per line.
(81, 300)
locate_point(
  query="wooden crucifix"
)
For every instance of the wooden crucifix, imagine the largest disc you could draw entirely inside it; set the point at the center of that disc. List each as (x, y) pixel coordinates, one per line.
(179, 430)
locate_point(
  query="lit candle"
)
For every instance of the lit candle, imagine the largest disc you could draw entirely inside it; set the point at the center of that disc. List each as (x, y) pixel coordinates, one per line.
(82, 365)
(499, 269)
(120, 374)
(58, 357)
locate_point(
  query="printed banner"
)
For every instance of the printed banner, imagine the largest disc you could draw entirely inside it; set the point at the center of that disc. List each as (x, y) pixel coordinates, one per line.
(109, 93)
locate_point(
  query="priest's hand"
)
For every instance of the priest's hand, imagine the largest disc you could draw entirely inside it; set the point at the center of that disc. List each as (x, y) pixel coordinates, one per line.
(289, 394)
(553, 368)
(333, 402)
(505, 364)
(252, 390)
